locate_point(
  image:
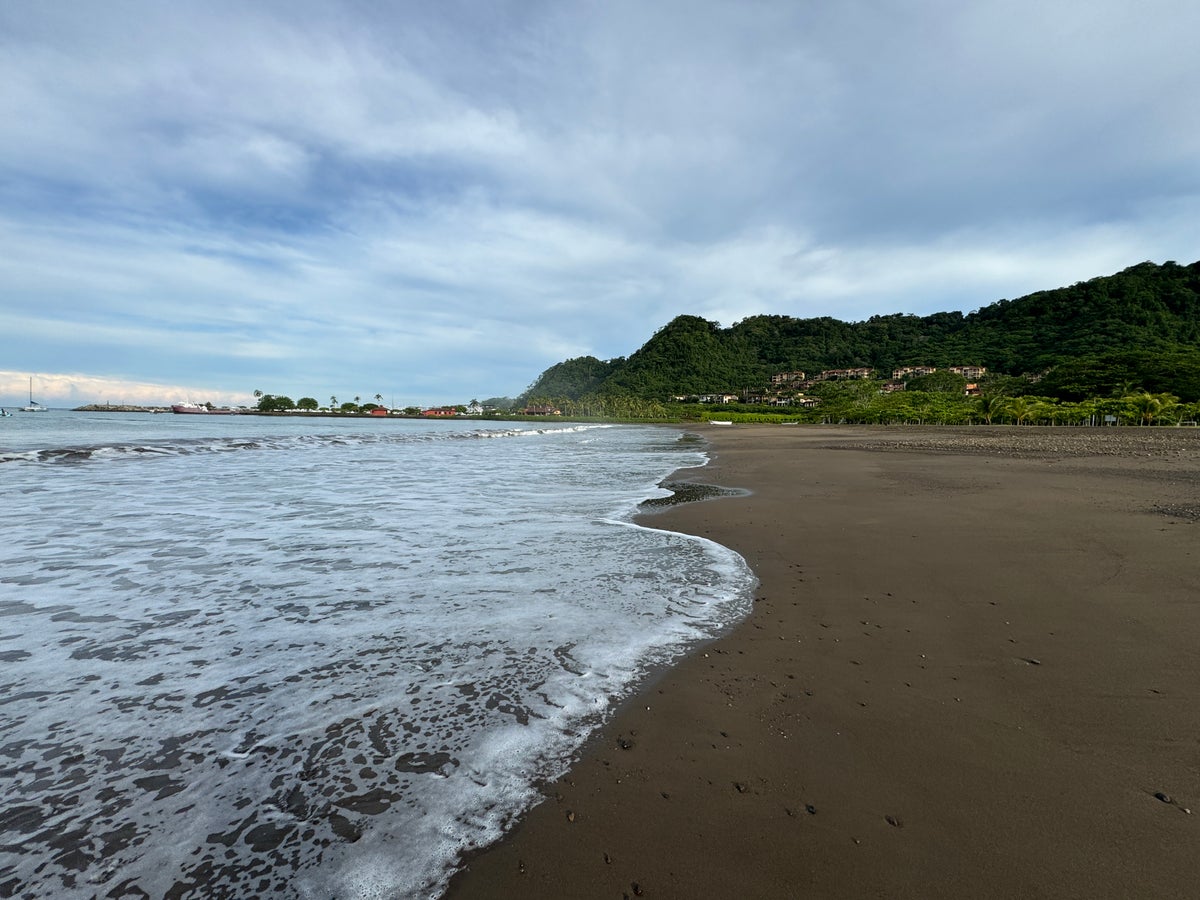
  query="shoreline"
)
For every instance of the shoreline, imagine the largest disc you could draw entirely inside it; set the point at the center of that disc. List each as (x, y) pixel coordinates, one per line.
(970, 670)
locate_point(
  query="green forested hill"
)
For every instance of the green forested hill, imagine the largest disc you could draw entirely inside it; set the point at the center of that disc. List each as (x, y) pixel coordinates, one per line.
(1138, 328)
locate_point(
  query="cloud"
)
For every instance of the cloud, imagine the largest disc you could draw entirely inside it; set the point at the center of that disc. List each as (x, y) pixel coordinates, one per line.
(444, 200)
(67, 390)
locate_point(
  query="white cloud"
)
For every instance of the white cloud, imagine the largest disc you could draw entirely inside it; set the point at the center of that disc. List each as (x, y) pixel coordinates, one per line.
(448, 199)
(69, 390)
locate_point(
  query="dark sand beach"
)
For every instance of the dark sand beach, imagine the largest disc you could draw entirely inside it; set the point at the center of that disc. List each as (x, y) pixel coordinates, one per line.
(972, 670)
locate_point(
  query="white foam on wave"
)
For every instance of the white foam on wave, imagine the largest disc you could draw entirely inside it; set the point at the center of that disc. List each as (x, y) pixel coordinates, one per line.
(337, 662)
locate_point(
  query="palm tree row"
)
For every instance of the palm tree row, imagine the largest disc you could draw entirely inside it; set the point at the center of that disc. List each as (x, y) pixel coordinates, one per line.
(1141, 408)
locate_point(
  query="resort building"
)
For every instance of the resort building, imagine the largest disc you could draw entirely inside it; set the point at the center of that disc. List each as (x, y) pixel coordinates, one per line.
(846, 374)
(909, 371)
(971, 373)
(787, 378)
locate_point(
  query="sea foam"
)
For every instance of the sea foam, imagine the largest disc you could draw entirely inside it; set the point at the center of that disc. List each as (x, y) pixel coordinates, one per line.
(248, 656)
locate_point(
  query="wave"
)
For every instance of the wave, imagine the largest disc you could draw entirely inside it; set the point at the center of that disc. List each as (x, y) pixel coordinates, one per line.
(185, 447)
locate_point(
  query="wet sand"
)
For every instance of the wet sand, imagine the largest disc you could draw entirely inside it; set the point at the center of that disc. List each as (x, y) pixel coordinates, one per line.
(972, 670)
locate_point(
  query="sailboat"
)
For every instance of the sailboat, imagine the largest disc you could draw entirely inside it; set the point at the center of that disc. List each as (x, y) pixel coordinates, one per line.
(33, 406)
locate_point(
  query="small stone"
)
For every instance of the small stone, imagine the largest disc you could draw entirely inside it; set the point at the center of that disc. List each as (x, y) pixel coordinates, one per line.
(1165, 798)
(570, 816)
(894, 821)
(810, 809)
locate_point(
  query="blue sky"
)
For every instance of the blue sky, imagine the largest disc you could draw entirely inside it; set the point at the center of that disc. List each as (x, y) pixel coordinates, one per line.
(437, 201)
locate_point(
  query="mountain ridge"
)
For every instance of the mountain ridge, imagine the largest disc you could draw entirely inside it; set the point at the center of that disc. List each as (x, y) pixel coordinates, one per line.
(1139, 326)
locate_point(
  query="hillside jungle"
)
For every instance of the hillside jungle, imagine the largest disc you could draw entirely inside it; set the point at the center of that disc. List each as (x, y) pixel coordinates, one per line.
(1118, 349)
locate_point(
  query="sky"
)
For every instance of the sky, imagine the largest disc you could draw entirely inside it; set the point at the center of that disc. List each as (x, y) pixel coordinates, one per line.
(436, 201)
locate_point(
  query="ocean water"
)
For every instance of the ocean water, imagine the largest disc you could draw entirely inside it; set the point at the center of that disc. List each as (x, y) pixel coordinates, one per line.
(317, 658)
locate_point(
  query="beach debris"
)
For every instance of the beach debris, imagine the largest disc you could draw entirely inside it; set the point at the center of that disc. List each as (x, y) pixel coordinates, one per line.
(636, 888)
(1029, 660)
(624, 743)
(607, 860)
(810, 809)
(894, 821)
(570, 816)
(521, 866)
(1171, 801)
(739, 787)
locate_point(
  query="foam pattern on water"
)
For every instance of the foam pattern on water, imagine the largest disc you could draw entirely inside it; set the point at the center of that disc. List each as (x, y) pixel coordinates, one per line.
(316, 663)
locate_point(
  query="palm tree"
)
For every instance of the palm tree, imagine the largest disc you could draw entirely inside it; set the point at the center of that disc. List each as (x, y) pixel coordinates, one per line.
(990, 406)
(1149, 407)
(332, 403)
(379, 399)
(1020, 409)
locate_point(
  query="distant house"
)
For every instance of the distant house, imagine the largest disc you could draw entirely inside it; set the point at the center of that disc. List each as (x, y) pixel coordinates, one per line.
(890, 387)
(439, 412)
(787, 377)
(541, 410)
(971, 373)
(846, 374)
(379, 411)
(906, 371)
